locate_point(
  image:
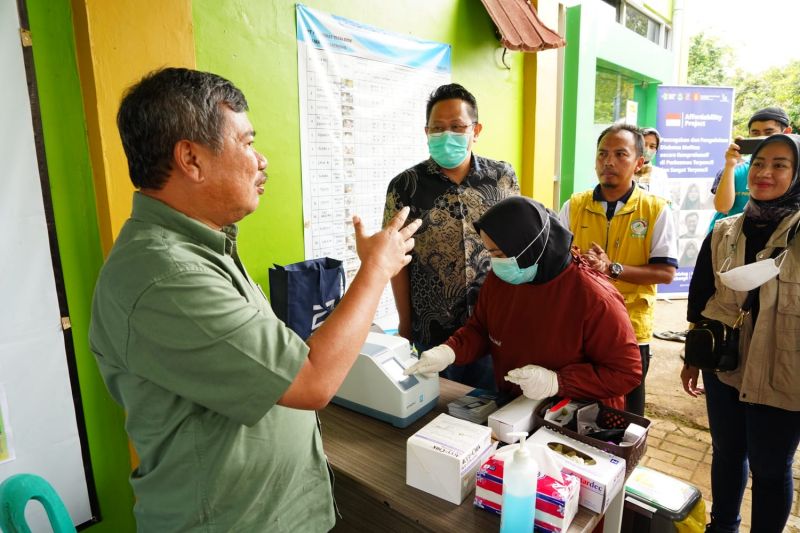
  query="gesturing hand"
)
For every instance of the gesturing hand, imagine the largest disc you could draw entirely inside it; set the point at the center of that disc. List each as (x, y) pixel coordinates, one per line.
(387, 250)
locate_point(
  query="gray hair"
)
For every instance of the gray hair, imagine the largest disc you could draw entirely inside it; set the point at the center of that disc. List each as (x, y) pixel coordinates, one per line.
(167, 106)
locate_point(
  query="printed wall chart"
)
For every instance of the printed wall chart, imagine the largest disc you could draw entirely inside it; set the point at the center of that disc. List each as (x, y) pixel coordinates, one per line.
(363, 92)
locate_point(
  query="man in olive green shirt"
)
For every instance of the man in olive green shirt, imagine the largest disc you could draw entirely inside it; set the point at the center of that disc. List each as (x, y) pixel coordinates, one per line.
(219, 393)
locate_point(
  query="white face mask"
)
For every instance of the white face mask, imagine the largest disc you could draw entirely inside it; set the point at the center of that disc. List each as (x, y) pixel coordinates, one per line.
(747, 277)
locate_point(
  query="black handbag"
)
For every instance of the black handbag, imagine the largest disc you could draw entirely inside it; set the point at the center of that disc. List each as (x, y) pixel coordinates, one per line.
(712, 345)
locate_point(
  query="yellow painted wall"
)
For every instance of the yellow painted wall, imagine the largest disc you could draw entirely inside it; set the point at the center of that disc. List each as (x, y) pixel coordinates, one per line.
(117, 42)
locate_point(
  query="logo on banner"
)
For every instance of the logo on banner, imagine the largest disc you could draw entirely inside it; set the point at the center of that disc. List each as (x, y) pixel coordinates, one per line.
(672, 120)
(320, 312)
(638, 228)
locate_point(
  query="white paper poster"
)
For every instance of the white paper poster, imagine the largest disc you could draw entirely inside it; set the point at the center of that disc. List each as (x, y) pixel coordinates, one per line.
(363, 92)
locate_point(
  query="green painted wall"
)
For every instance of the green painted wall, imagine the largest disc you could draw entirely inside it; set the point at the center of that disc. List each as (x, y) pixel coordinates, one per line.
(595, 38)
(72, 190)
(254, 45)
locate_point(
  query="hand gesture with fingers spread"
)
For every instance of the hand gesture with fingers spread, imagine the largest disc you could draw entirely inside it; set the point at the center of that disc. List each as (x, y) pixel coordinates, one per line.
(387, 250)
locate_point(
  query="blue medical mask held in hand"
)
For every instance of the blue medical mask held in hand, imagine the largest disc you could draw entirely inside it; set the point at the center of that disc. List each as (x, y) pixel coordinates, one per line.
(507, 268)
(448, 149)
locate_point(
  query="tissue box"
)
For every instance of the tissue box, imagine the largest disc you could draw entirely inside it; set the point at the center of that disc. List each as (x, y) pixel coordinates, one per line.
(443, 456)
(601, 474)
(514, 416)
(556, 500)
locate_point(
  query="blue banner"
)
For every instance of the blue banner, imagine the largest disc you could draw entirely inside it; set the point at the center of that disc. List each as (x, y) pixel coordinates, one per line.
(695, 125)
(337, 34)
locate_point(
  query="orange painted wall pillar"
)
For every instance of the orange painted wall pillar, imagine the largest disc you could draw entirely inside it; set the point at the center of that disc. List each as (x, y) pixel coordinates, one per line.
(117, 43)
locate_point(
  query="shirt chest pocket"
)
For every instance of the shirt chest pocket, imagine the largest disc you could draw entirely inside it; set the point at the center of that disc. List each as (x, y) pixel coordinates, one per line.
(789, 288)
(787, 322)
(787, 336)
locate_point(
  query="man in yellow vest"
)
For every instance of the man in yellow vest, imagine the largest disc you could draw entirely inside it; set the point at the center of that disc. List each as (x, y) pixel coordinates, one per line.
(625, 233)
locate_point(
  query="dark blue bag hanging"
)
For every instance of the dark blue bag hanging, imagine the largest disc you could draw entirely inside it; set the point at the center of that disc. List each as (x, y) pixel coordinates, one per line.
(304, 294)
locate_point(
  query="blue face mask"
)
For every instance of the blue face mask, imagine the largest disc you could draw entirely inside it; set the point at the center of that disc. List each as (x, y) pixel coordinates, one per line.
(507, 268)
(448, 149)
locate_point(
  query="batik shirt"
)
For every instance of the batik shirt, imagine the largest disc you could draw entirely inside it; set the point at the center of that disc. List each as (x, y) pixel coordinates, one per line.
(449, 262)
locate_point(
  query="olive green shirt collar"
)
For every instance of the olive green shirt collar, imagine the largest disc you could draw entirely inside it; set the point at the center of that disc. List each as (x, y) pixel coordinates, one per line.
(149, 209)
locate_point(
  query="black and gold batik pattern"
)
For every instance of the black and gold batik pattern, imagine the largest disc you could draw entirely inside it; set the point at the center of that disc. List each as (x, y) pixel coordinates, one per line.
(449, 262)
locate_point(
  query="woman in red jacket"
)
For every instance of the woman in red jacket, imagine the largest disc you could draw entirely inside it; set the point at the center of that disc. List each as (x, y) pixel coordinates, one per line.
(553, 325)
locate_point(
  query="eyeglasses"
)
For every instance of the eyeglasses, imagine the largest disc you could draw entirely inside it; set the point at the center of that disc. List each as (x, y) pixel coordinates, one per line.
(455, 128)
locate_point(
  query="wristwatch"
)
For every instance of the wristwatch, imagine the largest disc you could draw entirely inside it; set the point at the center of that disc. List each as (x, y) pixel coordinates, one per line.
(615, 270)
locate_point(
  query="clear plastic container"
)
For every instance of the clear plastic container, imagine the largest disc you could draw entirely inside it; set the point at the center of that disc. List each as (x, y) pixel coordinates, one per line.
(520, 477)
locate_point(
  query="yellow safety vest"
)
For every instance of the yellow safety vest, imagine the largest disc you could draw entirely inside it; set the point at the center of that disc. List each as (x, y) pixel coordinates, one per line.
(627, 239)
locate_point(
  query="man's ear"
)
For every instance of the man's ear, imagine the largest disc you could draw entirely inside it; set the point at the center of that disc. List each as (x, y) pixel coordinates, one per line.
(185, 159)
(476, 130)
(639, 163)
(788, 129)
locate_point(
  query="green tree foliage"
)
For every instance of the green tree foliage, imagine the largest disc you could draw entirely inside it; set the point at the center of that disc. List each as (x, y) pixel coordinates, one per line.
(776, 86)
(710, 64)
(709, 61)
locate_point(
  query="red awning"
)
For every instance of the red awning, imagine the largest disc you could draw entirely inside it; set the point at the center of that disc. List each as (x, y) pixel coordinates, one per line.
(520, 27)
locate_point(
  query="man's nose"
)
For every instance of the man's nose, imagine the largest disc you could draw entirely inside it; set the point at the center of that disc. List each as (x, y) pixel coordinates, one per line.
(262, 161)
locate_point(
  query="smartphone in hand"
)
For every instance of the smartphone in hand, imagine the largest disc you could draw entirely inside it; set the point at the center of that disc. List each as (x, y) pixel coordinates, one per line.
(748, 146)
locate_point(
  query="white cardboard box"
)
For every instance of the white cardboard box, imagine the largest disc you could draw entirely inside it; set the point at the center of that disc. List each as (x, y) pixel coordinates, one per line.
(443, 456)
(516, 415)
(602, 475)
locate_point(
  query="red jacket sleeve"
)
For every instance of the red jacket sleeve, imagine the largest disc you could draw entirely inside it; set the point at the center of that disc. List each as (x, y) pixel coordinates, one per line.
(614, 365)
(471, 341)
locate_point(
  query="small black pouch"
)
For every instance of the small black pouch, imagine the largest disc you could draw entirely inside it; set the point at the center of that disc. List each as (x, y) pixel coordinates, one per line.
(712, 345)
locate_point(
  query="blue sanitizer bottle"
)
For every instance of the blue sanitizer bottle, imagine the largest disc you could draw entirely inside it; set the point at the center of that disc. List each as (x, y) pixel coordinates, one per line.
(520, 476)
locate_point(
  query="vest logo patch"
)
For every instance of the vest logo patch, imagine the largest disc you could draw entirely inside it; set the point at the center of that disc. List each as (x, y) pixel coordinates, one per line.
(639, 228)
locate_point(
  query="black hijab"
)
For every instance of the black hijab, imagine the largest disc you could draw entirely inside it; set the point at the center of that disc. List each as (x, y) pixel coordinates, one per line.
(516, 221)
(787, 204)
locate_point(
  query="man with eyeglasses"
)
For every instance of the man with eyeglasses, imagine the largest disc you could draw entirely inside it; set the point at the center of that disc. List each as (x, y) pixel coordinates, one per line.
(437, 291)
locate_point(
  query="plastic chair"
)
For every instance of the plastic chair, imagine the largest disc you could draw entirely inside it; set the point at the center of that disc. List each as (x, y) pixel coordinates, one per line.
(17, 491)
